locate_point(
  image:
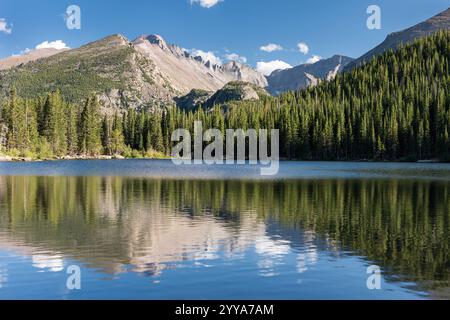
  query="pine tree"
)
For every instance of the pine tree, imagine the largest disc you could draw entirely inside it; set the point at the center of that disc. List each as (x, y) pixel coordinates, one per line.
(89, 128)
(72, 129)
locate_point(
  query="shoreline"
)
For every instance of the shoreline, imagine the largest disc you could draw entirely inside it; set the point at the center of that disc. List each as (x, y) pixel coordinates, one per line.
(6, 158)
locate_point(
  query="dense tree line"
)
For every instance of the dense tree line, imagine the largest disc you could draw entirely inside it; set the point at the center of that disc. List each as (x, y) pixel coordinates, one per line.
(49, 127)
(397, 106)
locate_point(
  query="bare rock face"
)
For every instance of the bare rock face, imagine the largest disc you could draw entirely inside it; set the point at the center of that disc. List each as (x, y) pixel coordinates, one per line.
(306, 75)
(333, 73)
(186, 72)
(394, 40)
(313, 81)
(242, 72)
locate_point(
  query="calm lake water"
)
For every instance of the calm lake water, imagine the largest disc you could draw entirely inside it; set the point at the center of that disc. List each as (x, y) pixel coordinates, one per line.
(143, 229)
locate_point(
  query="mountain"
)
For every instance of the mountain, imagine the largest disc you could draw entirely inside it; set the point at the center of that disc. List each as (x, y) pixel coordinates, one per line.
(146, 72)
(244, 73)
(186, 72)
(394, 40)
(305, 75)
(236, 91)
(194, 99)
(28, 56)
(232, 91)
(395, 107)
(111, 67)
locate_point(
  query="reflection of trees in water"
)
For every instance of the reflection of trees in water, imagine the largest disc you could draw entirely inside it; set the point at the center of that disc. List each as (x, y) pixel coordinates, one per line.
(403, 225)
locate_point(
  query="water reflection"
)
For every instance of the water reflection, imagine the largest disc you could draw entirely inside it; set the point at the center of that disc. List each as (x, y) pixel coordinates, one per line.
(52, 263)
(3, 276)
(149, 226)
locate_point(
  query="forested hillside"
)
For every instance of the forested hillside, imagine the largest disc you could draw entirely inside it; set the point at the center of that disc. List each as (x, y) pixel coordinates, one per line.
(396, 107)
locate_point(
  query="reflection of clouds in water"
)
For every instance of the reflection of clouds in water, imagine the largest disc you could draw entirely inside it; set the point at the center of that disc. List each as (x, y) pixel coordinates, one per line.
(185, 240)
(309, 256)
(271, 254)
(3, 276)
(53, 263)
(274, 248)
(235, 247)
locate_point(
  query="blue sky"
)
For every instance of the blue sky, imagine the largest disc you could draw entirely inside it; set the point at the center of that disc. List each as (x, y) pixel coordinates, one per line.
(239, 27)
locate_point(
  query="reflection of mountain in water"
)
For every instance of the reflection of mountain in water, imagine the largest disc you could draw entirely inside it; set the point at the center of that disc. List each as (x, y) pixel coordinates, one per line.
(112, 222)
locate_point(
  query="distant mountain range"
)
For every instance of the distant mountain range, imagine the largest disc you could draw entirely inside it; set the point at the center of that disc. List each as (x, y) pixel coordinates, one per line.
(305, 75)
(149, 72)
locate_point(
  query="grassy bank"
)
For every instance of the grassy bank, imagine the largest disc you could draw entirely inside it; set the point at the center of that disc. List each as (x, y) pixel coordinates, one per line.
(28, 156)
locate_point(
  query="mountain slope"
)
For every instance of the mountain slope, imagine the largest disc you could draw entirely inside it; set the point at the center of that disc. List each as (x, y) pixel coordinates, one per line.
(236, 91)
(394, 40)
(232, 91)
(306, 74)
(395, 107)
(186, 72)
(194, 99)
(111, 67)
(144, 73)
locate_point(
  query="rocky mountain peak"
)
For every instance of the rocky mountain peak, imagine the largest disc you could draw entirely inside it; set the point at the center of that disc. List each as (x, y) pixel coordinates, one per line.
(157, 39)
(186, 70)
(113, 39)
(153, 39)
(243, 72)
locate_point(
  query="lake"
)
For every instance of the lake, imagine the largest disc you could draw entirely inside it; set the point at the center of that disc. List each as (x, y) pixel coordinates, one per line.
(142, 229)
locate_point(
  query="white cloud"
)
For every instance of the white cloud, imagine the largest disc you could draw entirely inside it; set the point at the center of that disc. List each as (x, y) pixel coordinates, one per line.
(206, 3)
(271, 47)
(303, 47)
(21, 53)
(314, 59)
(235, 57)
(266, 68)
(4, 26)
(58, 44)
(206, 56)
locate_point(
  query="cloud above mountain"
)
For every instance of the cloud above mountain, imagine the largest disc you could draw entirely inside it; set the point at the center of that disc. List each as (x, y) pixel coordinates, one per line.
(266, 68)
(4, 26)
(235, 57)
(57, 44)
(206, 3)
(303, 47)
(314, 59)
(271, 47)
(206, 56)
